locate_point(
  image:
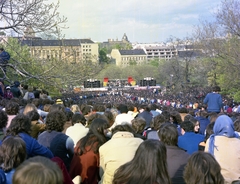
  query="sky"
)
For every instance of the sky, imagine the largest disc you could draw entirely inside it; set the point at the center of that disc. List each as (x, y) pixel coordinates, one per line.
(143, 21)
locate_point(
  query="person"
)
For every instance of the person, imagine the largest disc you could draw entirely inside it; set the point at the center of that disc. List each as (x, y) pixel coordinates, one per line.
(119, 150)
(7, 93)
(223, 144)
(123, 117)
(21, 126)
(189, 141)
(12, 154)
(202, 118)
(4, 58)
(148, 166)
(145, 114)
(85, 161)
(59, 143)
(15, 89)
(138, 125)
(12, 109)
(38, 170)
(3, 123)
(202, 167)
(78, 130)
(214, 100)
(209, 132)
(176, 157)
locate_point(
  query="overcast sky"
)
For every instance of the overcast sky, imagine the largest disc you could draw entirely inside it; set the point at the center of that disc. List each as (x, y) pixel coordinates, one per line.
(144, 21)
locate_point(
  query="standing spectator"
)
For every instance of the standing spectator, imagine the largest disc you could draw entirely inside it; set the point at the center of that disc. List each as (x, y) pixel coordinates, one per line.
(189, 141)
(119, 150)
(176, 157)
(214, 100)
(2, 88)
(223, 144)
(15, 89)
(148, 166)
(60, 144)
(4, 58)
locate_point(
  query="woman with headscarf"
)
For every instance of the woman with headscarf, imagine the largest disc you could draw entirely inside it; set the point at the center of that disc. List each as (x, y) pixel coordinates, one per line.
(223, 144)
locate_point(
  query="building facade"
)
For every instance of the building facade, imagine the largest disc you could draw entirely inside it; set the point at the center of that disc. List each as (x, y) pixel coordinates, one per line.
(126, 57)
(72, 50)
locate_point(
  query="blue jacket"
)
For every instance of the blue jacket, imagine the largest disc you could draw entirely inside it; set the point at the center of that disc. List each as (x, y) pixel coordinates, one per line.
(214, 102)
(203, 123)
(190, 141)
(34, 148)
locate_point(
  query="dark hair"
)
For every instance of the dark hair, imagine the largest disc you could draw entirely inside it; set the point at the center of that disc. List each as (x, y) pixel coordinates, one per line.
(166, 114)
(78, 118)
(33, 115)
(168, 134)
(95, 137)
(175, 115)
(86, 109)
(138, 125)
(209, 130)
(69, 115)
(110, 117)
(57, 107)
(216, 89)
(12, 108)
(122, 108)
(157, 121)
(3, 119)
(38, 170)
(55, 120)
(122, 128)
(187, 126)
(202, 168)
(148, 166)
(19, 124)
(12, 153)
(237, 125)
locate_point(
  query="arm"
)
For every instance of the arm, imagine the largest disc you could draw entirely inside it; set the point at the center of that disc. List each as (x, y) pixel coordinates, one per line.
(38, 149)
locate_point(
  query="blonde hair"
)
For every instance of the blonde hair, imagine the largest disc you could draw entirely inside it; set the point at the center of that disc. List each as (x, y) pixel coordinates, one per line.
(38, 170)
(75, 108)
(29, 107)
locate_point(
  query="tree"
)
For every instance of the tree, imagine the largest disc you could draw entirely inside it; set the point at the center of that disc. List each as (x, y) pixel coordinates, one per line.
(51, 74)
(35, 14)
(220, 41)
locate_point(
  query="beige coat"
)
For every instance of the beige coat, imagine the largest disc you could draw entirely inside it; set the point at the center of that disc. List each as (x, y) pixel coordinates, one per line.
(116, 152)
(228, 156)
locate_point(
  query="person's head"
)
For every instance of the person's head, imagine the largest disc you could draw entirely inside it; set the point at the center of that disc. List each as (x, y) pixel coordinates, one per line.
(138, 124)
(29, 107)
(122, 108)
(86, 110)
(47, 107)
(78, 118)
(153, 168)
(202, 168)
(55, 120)
(216, 89)
(187, 126)
(168, 134)
(75, 109)
(237, 125)
(213, 116)
(224, 126)
(16, 83)
(157, 121)
(57, 107)
(195, 123)
(33, 115)
(38, 170)
(209, 130)
(94, 116)
(19, 124)
(99, 126)
(122, 128)
(110, 117)
(3, 119)
(175, 117)
(12, 153)
(12, 108)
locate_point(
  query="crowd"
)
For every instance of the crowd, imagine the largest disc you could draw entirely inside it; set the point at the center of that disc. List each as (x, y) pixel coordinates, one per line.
(119, 137)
